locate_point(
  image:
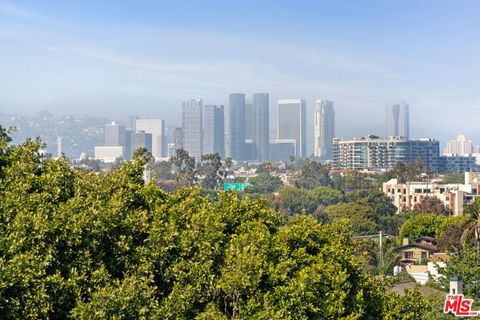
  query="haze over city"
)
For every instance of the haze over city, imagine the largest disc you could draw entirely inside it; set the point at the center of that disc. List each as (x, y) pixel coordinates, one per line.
(114, 59)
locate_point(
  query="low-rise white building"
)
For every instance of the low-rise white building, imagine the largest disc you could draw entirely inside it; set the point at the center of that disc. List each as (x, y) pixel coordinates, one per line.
(453, 196)
(108, 153)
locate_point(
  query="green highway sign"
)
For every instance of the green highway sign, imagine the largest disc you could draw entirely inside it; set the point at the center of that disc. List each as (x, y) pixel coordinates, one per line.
(236, 186)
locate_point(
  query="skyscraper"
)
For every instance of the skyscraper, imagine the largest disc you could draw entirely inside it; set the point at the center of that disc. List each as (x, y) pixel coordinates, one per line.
(156, 127)
(237, 125)
(214, 130)
(249, 120)
(59, 147)
(192, 127)
(127, 147)
(291, 123)
(178, 138)
(114, 134)
(324, 122)
(461, 147)
(141, 139)
(261, 134)
(398, 120)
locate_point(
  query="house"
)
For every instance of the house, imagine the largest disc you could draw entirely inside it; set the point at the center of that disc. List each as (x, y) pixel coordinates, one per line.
(418, 252)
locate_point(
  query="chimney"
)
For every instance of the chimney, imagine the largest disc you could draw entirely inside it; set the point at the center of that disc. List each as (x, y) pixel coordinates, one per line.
(405, 241)
(456, 285)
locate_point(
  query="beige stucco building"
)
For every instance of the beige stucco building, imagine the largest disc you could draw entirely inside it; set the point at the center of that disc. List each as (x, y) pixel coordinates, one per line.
(453, 196)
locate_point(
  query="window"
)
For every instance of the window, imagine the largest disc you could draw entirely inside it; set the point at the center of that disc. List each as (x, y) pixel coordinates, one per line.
(424, 255)
(408, 255)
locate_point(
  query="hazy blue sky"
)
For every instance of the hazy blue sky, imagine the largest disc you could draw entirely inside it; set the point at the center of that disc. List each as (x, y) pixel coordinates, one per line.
(115, 58)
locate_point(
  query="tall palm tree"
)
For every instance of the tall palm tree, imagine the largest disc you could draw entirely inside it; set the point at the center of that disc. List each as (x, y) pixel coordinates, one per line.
(473, 227)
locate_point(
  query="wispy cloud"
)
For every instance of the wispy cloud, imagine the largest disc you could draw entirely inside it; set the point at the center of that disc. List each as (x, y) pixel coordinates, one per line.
(22, 13)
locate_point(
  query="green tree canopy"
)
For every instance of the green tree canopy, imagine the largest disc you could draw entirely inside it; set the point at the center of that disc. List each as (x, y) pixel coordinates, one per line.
(431, 225)
(76, 244)
(265, 183)
(361, 217)
(295, 200)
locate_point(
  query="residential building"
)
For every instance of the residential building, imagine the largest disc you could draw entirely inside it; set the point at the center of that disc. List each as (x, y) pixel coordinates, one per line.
(453, 196)
(461, 146)
(237, 125)
(458, 163)
(192, 127)
(214, 130)
(156, 127)
(398, 120)
(419, 251)
(291, 124)
(324, 122)
(372, 152)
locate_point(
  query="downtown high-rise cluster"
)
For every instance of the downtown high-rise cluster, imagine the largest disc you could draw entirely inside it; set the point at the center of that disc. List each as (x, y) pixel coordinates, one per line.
(243, 132)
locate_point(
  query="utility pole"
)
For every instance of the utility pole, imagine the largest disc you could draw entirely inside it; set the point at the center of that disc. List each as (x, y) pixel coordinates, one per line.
(381, 248)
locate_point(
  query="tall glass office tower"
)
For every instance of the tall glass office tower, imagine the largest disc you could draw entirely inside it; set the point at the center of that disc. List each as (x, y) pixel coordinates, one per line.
(261, 136)
(237, 125)
(192, 125)
(324, 131)
(214, 130)
(398, 120)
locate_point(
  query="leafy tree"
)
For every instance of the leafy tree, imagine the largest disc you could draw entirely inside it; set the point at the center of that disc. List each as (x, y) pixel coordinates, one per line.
(414, 170)
(75, 244)
(418, 226)
(432, 225)
(453, 178)
(210, 170)
(144, 154)
(185, 175)
(356, 180)
(392, 224)
(265, 183)
(294, 200)
(431, 205)
(228, 162)
(463, 263)
(473, 228)
(399, 172)
(314, 174)
(452, 237)
(377, 200)
(162, 170)
(362, 217)
(4, 140)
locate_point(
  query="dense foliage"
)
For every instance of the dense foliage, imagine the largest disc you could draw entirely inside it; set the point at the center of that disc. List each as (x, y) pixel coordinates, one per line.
(76, 244)
(294, 200)
(432, 225)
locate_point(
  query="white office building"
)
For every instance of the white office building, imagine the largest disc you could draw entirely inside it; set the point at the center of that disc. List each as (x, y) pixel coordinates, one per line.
(156, 127)
(291, 124)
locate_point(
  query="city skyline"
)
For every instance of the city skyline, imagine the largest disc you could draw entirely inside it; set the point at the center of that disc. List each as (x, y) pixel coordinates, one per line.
(77, 64)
